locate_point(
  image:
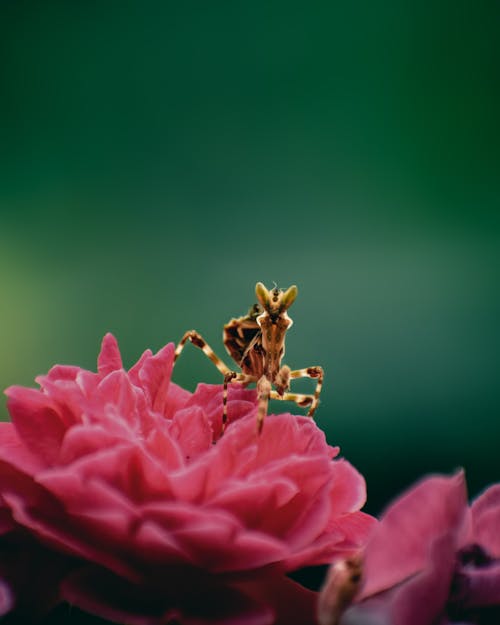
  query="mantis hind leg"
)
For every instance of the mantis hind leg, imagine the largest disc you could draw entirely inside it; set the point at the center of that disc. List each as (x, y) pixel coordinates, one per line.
(229, 375)
(198, 341)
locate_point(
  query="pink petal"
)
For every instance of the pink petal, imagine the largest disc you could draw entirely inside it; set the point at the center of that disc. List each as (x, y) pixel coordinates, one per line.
(61, 536)
(159, 545)
(192, 431)
(256, 549)
(116, 389)
(14, 452)
(177, 399)
(236, 409)
(80, 490)
(241, 403)
(323, 550)
(215, 539)
(400, 544)
(356, 529)
(346, 537)
(83, 440)
(189, 483)
(300, 433)
(256, 501)
(109, 358)
(312, 518)
(306, 513)
(133, 372)
(248, 550)
(208, 536)
(154, 376)
(349, 488)
(175, 514)
(126, 427)
(37, 422)
(161, 445)
(312, 508)
(422, 599)
(87, 382)
(127, 468)
(12, 483)
(62, 372)
(67, 397)
(486, 520)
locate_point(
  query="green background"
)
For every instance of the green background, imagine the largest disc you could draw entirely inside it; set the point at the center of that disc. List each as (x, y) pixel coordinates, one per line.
(157, 159)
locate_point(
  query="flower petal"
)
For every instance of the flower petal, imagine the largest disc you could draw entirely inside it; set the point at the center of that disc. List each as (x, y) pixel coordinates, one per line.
(192, 431)
(422, 598)
(109, 358)
(116, 390)
(15, 453)
(486, 520)
(155, 377)
(419, 600)
(37, 422)
(399, 546)
(349, 488)
(241, 402)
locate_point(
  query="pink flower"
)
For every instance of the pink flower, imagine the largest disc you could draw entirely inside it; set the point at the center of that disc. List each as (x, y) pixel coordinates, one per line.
(165, 520)
(432, 560)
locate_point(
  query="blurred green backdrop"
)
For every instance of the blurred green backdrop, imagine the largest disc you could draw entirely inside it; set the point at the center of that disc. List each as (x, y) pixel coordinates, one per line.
(158, 158)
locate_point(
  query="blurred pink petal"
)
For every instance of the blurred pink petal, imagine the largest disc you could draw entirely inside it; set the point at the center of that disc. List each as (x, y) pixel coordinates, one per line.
(431, 560)
(399, 546)
(420, 600)
(486, 520)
